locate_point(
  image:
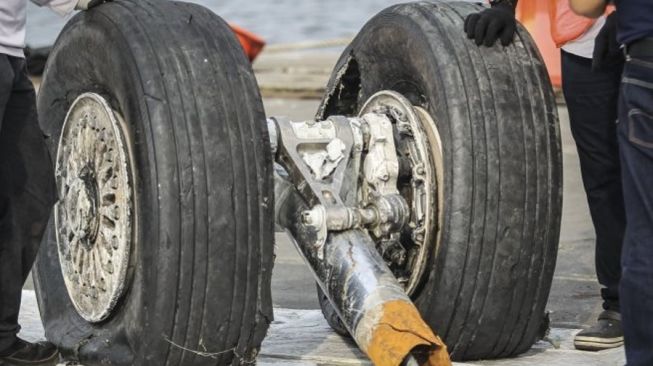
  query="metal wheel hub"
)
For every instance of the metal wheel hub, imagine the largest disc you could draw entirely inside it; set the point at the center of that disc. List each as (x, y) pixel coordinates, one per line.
(419, 151)
(82, 213)
(93, 218)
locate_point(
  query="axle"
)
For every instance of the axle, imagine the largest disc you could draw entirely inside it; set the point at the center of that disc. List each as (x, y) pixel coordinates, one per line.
(336, 188)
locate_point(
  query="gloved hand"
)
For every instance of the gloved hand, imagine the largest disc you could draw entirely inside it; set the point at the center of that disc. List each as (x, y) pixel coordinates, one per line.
(607, 50)
(87, 4)
(498, 22)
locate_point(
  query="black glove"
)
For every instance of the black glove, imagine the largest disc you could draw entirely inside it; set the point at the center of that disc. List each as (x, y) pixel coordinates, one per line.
(498, 22)
(607, 51)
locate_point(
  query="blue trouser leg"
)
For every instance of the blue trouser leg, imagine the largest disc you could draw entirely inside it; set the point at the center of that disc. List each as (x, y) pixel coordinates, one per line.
(636, 145)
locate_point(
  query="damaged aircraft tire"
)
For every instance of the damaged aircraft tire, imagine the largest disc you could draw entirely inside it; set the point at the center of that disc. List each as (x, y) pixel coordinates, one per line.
(161, 247)
(492, 257)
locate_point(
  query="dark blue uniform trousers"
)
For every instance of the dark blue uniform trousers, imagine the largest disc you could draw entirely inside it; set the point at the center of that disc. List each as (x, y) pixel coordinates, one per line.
(591, 98)
(636, 145)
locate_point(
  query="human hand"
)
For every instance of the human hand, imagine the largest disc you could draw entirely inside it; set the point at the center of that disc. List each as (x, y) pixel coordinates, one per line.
(487, 26)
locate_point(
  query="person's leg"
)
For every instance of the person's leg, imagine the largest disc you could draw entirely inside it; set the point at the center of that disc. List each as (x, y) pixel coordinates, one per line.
(26, 192)
(8, 313)
(591, 98)
(636, 144)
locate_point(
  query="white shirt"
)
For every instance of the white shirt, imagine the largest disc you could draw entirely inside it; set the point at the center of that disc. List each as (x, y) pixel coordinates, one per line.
(13, 17)
(583, 46)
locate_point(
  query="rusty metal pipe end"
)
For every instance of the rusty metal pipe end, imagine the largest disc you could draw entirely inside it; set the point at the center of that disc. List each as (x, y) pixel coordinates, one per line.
(400, 337)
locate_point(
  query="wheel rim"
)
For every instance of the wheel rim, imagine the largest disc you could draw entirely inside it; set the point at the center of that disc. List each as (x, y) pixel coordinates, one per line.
(94, 214)
(418, 140)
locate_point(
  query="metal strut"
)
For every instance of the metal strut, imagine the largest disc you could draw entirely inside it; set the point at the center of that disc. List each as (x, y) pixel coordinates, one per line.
(336, 189)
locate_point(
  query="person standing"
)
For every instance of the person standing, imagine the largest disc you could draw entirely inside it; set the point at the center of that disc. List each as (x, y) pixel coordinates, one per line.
(26, 179)
(590, 83)
(635, 33)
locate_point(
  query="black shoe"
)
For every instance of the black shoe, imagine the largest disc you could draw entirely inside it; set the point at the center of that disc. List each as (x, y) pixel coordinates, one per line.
(605, 334)
(23, 353)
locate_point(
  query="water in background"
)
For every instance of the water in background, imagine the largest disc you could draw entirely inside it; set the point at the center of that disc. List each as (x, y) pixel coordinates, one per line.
(278, 21)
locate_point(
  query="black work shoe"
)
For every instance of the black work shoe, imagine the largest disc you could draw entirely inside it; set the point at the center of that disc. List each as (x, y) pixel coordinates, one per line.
(606, 333)
(23, 353)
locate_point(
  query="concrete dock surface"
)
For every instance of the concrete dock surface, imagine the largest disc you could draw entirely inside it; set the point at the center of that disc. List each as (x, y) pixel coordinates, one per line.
(303, 338)
(292, 81)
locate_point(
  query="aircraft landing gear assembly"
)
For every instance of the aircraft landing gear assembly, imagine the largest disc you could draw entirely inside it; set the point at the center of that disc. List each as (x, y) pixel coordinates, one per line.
(425, 196)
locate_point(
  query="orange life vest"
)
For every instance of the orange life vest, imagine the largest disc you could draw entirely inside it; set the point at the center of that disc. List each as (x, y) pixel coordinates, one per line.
(565, 24)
